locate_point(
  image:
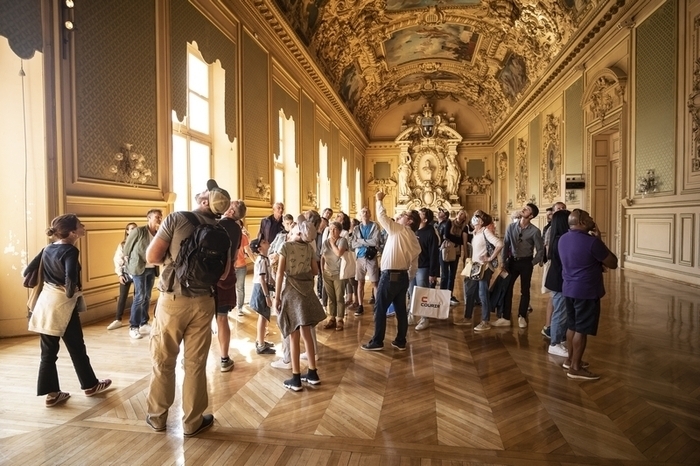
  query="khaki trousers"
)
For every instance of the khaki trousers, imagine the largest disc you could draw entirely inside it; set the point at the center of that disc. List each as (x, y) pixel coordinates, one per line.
(180, 319)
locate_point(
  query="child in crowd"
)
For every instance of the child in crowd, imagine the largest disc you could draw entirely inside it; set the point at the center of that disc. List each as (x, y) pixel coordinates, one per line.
(260, 300)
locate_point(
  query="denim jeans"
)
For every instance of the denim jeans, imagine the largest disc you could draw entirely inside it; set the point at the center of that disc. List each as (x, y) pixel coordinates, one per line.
(470, 291)
(241, 272)
(143, 286)
(422, 278)
(392, 289)
(558, 327)
(448, 272)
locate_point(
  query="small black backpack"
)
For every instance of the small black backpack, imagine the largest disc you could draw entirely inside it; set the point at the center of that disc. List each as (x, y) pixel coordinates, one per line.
(203, 255)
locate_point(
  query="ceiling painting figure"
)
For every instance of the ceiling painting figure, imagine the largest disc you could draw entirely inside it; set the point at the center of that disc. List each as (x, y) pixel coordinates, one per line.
(447, 41)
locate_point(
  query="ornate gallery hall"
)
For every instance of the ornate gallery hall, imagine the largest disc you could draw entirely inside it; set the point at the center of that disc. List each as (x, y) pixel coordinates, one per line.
(111, 109)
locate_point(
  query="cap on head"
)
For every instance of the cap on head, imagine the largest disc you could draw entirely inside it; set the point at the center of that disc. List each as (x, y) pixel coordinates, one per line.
(219, 199)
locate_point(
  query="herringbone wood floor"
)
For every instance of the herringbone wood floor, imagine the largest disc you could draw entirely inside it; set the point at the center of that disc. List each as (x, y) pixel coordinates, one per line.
(455, 397)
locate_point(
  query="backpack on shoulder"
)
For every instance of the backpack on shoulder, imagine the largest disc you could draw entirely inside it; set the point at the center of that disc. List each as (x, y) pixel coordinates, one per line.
(203, 255)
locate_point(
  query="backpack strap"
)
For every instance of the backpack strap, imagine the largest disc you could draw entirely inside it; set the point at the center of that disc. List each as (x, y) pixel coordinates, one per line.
(192, 218)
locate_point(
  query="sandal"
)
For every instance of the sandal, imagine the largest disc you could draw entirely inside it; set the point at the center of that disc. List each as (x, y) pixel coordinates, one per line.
(53, 401)
(331, 324)
(339, 326)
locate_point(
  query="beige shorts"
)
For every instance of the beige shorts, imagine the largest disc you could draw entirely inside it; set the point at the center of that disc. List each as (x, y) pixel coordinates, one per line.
(368, 268)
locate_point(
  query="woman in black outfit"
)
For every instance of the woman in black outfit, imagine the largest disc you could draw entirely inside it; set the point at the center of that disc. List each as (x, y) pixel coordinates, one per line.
(55, 315)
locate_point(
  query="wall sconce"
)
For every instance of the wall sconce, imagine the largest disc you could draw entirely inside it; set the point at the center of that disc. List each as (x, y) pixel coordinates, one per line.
(509, 204)
(648, 184)
(68, 20)
(263, 189)
(128, 166)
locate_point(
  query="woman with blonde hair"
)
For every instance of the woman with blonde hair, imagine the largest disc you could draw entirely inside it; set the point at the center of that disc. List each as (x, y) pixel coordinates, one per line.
(55, 315)
(485, 249)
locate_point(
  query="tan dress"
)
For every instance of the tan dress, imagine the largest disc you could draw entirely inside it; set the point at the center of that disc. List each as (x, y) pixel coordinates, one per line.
(299, 304)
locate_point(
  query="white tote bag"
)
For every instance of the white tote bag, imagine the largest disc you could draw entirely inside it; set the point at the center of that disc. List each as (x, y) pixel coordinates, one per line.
(347, 265)
(430, 302)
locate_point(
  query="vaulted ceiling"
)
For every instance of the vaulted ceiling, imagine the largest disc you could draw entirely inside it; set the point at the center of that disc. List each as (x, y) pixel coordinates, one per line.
(480, 54)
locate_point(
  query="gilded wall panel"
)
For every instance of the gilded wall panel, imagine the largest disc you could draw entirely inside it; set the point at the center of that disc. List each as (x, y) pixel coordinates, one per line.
(115, 84)
(691, 165)
(255, 122)
(309, 163)
(534, 150)
(655, 144)
(573, 130)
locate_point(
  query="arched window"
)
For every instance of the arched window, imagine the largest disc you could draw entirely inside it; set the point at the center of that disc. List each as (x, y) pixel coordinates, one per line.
(324, 181)
(286, 170)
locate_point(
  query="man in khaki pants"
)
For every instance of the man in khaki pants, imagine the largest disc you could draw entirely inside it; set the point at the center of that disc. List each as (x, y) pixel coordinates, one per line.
(184, 313)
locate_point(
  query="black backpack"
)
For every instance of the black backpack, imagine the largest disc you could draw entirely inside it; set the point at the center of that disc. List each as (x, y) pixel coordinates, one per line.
(203, 255)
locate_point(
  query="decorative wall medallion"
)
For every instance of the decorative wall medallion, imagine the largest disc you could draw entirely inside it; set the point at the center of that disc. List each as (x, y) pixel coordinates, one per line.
(551, 159)
(521, 172)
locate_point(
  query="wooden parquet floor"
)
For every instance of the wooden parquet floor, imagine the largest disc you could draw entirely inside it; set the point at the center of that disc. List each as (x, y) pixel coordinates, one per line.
(454, 397)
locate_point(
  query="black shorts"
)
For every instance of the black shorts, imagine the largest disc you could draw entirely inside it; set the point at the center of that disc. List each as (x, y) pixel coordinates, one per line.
(582, 315)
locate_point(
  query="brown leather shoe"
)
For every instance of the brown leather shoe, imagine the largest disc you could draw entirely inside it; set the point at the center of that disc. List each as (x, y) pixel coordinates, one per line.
(331, 324)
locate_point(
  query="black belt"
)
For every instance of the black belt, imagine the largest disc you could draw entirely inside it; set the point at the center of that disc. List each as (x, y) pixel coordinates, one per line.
(528, 258)
(395, 271)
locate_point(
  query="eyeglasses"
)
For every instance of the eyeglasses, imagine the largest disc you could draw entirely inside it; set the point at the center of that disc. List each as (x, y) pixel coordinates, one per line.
(520, 238)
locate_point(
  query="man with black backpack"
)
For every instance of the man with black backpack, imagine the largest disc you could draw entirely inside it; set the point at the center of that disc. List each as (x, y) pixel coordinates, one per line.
(195, 252)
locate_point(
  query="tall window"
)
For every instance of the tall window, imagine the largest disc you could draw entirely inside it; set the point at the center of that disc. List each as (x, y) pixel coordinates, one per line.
(192, 138)
(324, 182)
(286, 174)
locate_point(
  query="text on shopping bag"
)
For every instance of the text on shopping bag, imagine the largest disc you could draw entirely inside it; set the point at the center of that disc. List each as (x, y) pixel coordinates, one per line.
(430, 302)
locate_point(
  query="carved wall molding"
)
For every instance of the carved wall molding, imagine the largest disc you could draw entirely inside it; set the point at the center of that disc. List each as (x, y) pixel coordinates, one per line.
(694, 109)
(551, 158)
(502, 158)
(521, 171)
(605, 94)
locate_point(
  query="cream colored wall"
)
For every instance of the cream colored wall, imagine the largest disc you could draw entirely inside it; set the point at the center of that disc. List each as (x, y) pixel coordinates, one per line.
(22, 181)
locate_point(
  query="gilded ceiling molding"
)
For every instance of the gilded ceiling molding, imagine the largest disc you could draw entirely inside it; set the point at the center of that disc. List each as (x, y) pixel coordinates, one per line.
(605, 94)
(551, 159)
(521, 171)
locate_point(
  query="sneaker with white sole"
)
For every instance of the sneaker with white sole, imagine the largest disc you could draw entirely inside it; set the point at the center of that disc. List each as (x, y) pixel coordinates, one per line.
(311, 377)
(522, 322)
(464, 322)
(482, 327)
(558, 350)
(115, 325)
(501, 322)
(294, 383)
(546, 332)
(280, 364)
(101, 386)
(582, 374)
(135, 334)
(226, 365)
(423, 324)
(240, 312)
(411, 320)
(145, 329)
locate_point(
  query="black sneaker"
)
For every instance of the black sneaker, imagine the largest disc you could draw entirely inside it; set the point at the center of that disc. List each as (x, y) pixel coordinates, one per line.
(399, 346)
(294, 383)
(207, 422)
(360, 310)
(311, 377)
(371, 300)
(372, 347)
(264, 349)
(546, 332)
(454, 301)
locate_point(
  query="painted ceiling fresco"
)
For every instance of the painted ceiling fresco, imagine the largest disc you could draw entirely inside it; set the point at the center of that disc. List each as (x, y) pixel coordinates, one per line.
(485, 54)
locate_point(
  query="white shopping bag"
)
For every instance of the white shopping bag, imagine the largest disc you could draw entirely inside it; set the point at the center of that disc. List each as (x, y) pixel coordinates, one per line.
(430, 302)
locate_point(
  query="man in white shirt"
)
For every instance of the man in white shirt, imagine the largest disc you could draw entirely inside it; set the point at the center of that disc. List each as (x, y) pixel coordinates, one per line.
(399, 266)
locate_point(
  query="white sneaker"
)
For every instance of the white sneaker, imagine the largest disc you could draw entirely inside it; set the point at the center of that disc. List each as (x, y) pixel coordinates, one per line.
(115, 325)
(305, 356)
(522, 322)
(135, 334)
(280, 364)
(423, 324)
(558, 350)
(145, 329)
(240, 312)
(411, 320)
(501, 322)
(482, 327)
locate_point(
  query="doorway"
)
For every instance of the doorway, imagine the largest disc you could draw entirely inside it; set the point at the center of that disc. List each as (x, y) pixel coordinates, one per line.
(606, 180)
